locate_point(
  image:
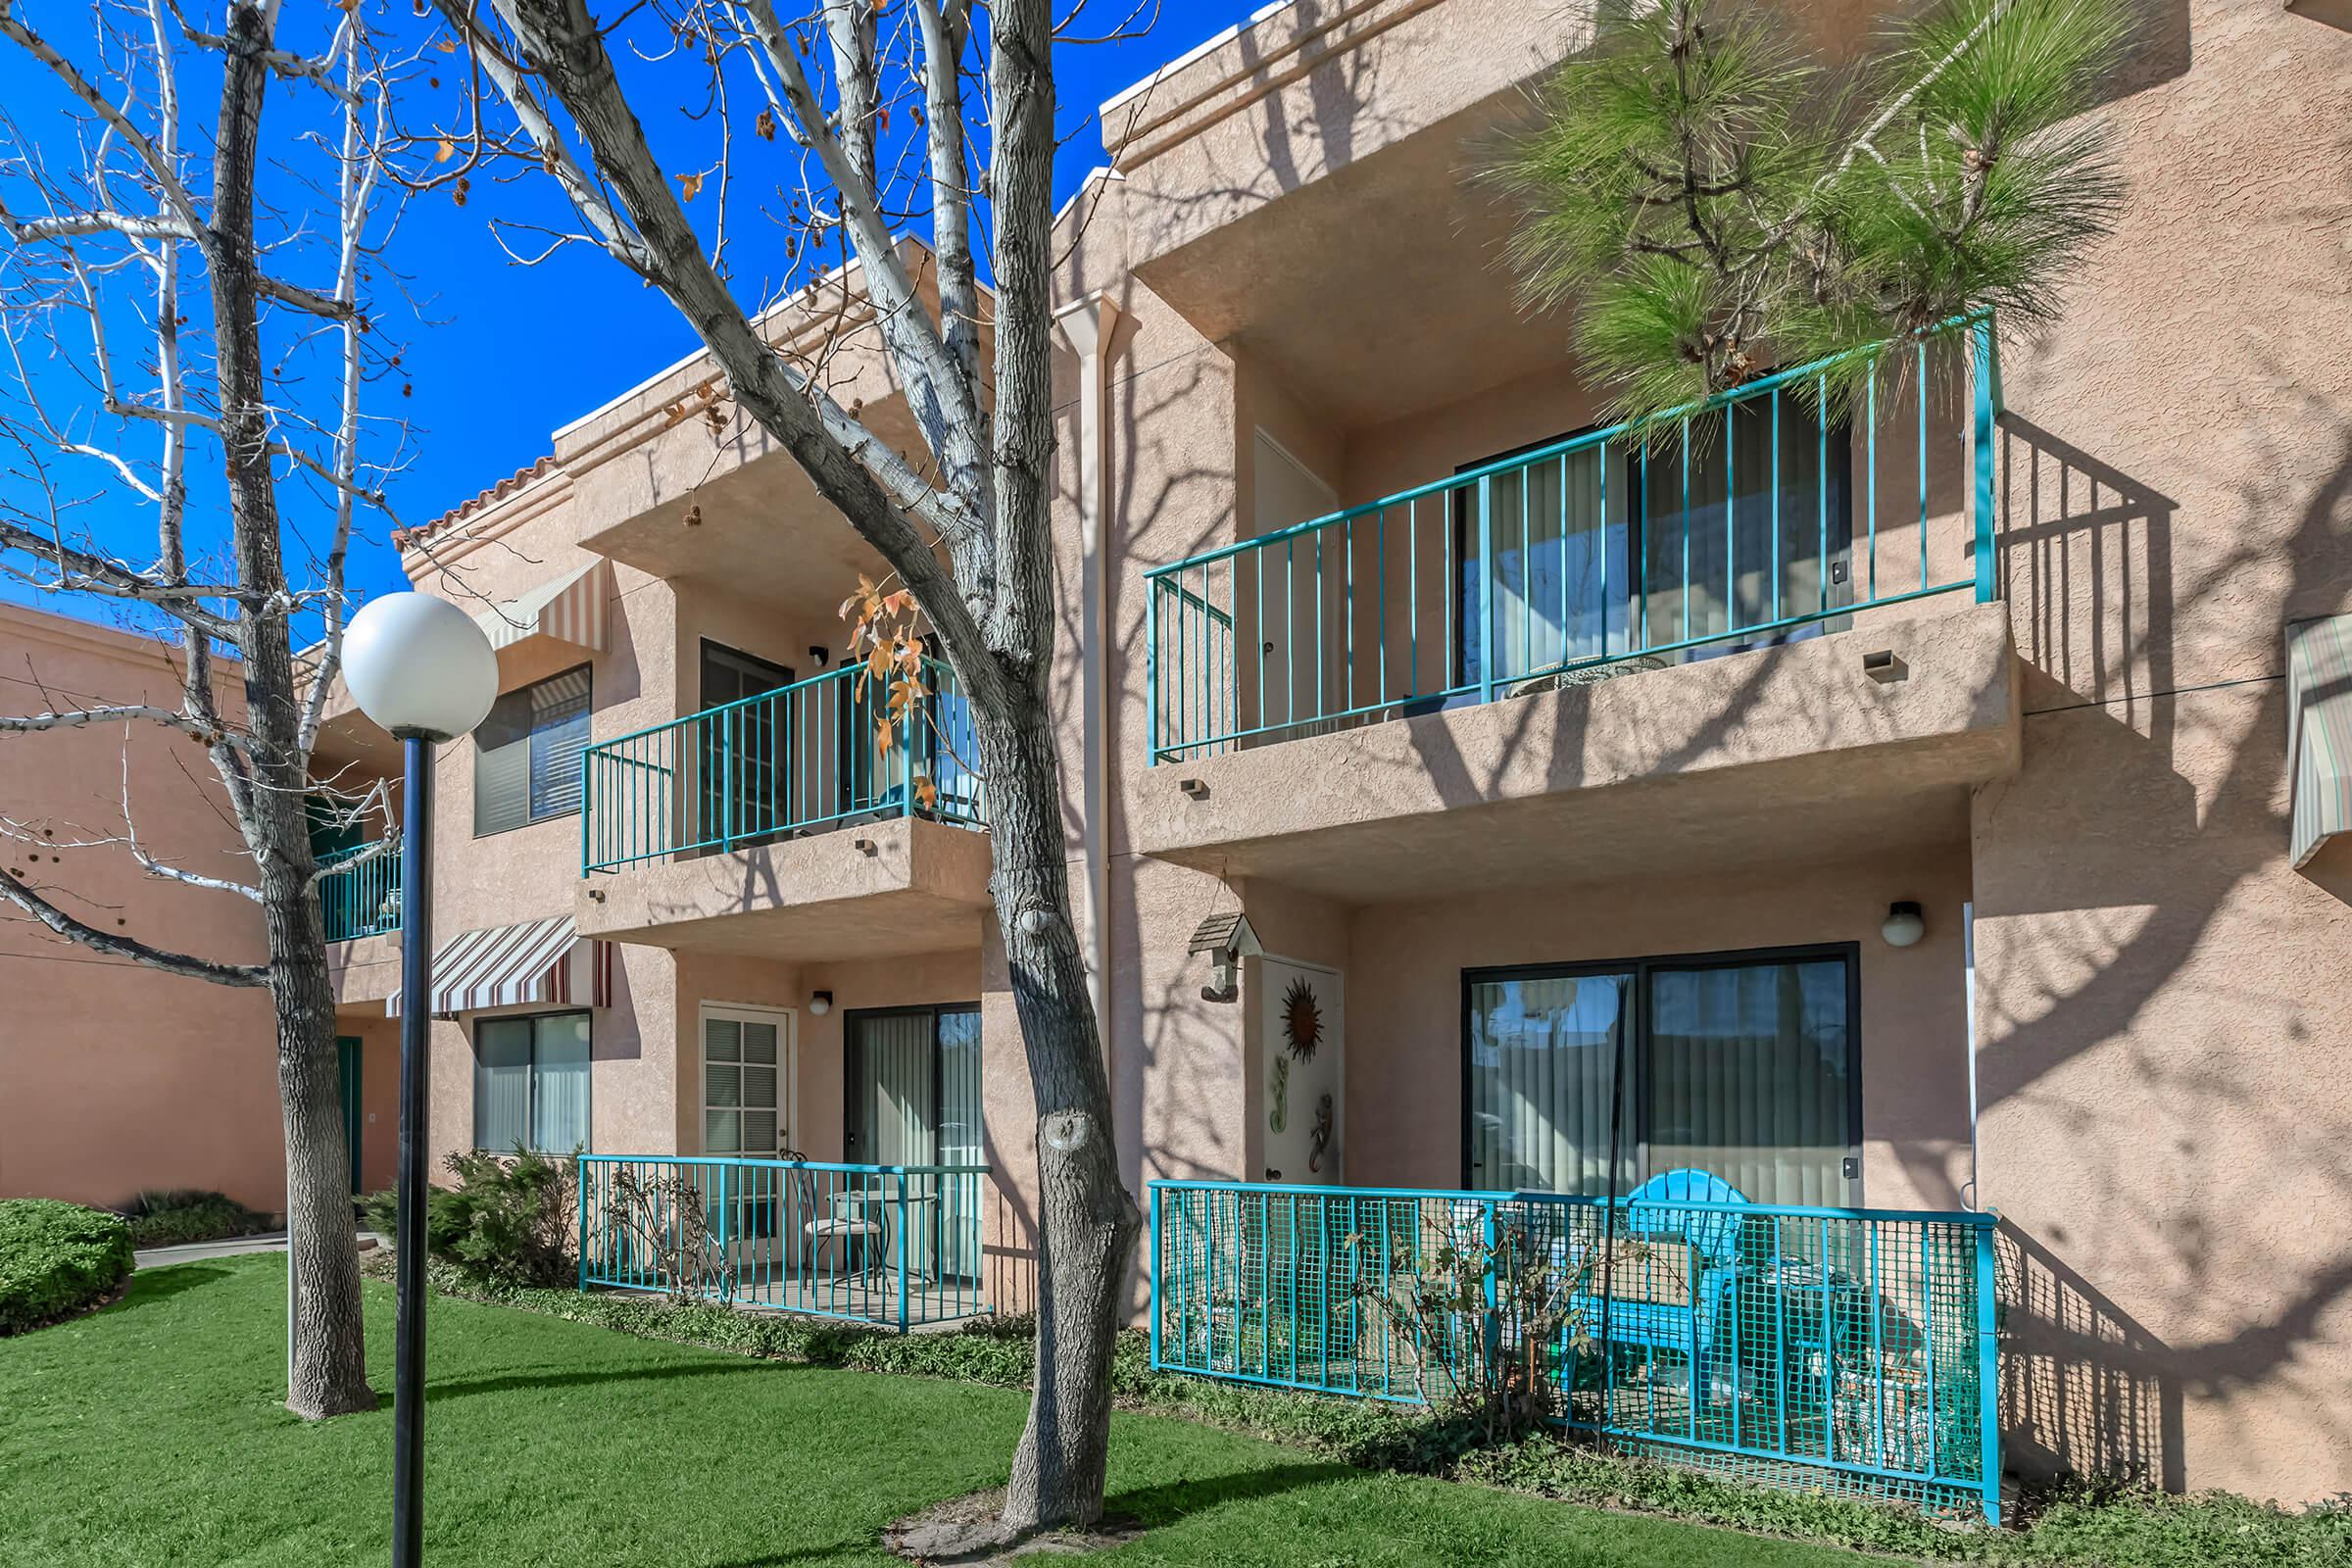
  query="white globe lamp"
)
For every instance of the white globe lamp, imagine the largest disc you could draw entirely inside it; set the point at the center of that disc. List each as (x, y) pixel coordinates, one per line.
(419, 667)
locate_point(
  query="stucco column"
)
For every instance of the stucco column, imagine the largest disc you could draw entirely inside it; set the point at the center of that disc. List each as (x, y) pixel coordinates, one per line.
(1089, 324)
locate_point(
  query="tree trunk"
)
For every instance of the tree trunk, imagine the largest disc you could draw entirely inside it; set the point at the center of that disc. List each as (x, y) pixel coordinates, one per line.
(1087, 1220)
(330, 1372)
(331, 1366)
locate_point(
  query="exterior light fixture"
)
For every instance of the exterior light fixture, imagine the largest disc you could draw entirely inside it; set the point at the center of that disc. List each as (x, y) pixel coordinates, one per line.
(419, 668)
(1903, 926)
(821, 1002)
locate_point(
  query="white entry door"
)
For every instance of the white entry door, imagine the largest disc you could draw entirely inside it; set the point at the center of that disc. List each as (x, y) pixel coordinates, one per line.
(1303, 1028)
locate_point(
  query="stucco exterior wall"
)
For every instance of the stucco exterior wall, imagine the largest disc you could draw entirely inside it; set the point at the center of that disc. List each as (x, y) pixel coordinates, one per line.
(1289, 248)
(115, 1077)
(2158, 991)
(2162, 1000)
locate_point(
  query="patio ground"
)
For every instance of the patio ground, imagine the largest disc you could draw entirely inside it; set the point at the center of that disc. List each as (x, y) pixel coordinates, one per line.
(152, 1432)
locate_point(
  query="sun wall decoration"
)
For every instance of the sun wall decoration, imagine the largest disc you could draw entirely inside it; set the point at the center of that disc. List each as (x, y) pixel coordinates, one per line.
(1302, 1021)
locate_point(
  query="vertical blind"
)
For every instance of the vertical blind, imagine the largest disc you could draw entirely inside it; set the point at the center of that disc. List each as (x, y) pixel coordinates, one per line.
(526, 755)
(1742, 1070)
(915, 1100)
(531, 1083)
(1564, 579)
(1720, 575)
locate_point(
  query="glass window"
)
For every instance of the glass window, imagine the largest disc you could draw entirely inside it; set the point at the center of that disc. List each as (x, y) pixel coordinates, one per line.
(526, 755)
(913, 1083)
(745, 1106)
(530, 1083)
(1591, 565)
(1745, 1070)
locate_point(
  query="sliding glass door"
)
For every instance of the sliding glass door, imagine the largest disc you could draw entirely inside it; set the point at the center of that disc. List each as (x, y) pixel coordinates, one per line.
(913, 1082)
(1745, 1066)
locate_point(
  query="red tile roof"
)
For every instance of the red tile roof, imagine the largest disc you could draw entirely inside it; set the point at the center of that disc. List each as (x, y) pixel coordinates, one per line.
(408, 538)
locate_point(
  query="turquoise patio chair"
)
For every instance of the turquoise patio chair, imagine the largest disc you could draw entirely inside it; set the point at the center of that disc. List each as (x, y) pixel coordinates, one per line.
(1653, 1214)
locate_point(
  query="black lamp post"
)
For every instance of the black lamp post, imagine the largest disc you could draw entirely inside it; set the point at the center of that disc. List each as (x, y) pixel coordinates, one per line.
(422, 668)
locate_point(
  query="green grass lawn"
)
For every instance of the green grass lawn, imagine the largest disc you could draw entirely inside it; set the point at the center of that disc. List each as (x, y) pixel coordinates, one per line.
(152, 1433)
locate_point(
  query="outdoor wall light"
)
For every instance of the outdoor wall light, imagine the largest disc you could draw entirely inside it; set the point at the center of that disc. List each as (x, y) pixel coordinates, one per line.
(1903, 926)
(819, 654)
(423, 670)
(821, 1002)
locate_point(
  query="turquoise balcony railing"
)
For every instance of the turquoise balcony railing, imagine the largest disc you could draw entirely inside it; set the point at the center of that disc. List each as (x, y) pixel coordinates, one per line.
(1848, 1351)
(1746, 521)
(896, 1245)
(363, 901)
(799, 760)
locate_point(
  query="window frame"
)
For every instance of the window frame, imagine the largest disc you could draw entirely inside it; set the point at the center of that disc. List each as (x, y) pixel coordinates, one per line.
(530, 1140)
(585, 667)
(852, 1066)
(1641, 970)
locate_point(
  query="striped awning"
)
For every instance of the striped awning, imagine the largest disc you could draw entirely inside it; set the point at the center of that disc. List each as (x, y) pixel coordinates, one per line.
(569, 609)
(539, 962)
(2319, 732)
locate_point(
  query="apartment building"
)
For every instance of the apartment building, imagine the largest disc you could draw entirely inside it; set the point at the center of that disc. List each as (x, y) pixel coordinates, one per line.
(1922, 829)
(117, 1079)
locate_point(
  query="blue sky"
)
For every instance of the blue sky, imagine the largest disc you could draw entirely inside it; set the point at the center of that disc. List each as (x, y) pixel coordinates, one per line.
(505, 354)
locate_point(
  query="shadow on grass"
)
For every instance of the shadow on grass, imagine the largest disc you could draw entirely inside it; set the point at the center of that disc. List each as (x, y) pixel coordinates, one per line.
(1173, 1501)
(1153, 1508)
(160, 1284)
(439, 1388)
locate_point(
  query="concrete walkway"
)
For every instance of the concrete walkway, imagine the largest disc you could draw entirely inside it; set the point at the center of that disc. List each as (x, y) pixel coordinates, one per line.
(234, 1247)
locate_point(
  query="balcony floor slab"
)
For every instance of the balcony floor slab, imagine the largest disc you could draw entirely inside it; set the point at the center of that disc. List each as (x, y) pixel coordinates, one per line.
(1757, 759)
(893, 886)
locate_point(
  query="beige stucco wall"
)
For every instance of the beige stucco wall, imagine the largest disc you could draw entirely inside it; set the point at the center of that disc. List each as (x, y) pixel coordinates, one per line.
(2168, 1108)
(115, 1077)
(2158, 994)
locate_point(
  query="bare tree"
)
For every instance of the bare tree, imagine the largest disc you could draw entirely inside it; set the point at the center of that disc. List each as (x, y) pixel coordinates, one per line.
(893, 112)
(103, 223)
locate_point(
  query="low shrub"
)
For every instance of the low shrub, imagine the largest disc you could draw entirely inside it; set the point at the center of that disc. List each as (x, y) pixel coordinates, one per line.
(186, 1215)
(56, 1259)
(509, 1221)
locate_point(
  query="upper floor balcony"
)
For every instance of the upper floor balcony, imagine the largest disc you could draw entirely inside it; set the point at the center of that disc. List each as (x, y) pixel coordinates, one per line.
(1393, 646)
(358, 891)
(810, 816)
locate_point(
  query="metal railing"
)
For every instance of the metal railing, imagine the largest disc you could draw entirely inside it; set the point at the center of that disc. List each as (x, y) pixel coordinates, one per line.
(1749, 519)
(896, 1245)
(800, 759)
(1850, 1351)
(363, 901)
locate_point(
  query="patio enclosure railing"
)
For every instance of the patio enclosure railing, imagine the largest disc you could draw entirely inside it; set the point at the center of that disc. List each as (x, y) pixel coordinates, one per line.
(800, 759)
(896, 1245)
(1850, 1350)
(363, 901)
(1760, 517)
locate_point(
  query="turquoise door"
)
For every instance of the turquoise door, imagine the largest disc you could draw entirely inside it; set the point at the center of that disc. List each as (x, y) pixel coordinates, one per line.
(347, 1072)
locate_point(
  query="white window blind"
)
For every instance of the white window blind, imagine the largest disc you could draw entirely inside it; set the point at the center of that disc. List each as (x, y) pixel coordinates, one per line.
(526, 755)
(744, 1088)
